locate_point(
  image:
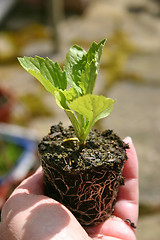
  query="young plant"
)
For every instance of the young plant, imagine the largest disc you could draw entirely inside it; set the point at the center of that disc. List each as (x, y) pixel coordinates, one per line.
(82, 107)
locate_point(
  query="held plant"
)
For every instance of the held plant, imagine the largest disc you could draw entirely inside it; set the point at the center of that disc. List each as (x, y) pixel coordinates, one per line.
(85, 175)
(82, 107)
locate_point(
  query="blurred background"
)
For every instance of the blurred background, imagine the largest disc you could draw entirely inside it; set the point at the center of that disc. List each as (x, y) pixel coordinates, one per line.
(130, 73)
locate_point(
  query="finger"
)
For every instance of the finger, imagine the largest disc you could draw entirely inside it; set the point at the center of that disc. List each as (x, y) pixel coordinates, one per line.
(113, 228)
(131, 165)
(126, 206)
(32, 185)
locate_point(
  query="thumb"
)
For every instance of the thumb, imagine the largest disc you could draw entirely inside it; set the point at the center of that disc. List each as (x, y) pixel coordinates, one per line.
(33, 184)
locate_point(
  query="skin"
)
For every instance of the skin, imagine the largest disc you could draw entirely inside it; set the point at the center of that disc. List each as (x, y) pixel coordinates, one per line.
(28, 214)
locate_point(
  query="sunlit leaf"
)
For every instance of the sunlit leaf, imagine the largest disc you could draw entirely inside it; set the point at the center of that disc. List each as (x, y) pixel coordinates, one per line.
(91, 68)
(93, 107)
(74, 65)
(47, 72)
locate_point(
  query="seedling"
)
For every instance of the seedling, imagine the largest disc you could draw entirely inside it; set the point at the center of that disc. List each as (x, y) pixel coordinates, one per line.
(82, 107)
(83, 172)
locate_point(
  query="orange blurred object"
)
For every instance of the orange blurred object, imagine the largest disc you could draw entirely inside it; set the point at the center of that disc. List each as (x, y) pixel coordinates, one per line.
(7, 101)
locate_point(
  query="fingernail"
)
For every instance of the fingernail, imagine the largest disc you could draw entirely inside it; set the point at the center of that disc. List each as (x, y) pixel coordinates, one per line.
(128, 140)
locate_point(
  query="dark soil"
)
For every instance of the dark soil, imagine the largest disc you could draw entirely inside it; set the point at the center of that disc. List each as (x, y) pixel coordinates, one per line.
(85, 178)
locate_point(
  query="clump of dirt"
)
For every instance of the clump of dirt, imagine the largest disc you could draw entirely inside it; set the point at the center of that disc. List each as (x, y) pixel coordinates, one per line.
(86, 178)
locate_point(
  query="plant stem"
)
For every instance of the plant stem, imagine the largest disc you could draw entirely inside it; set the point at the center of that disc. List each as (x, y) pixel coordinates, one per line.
(74, 122)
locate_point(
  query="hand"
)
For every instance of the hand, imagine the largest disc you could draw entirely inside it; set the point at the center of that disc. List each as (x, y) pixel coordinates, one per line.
(29, 215)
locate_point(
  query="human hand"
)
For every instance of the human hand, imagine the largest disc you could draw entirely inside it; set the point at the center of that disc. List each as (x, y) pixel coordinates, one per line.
(29, 215)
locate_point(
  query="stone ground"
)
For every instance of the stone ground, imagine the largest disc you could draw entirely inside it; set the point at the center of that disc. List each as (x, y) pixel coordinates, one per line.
(137, 111)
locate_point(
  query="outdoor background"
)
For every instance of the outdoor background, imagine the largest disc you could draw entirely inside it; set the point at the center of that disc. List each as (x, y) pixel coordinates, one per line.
(130, 73)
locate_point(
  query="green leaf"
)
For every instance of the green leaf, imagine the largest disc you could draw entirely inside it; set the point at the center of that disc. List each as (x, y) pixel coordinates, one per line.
(93, 107)
(74, 65)
(91, 68)
(61, 100)
(47, 72)
(82, 68)
(71, 94)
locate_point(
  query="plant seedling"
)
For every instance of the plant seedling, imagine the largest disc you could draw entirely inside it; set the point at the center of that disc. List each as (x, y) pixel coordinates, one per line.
(85, 176)
(82, 107)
